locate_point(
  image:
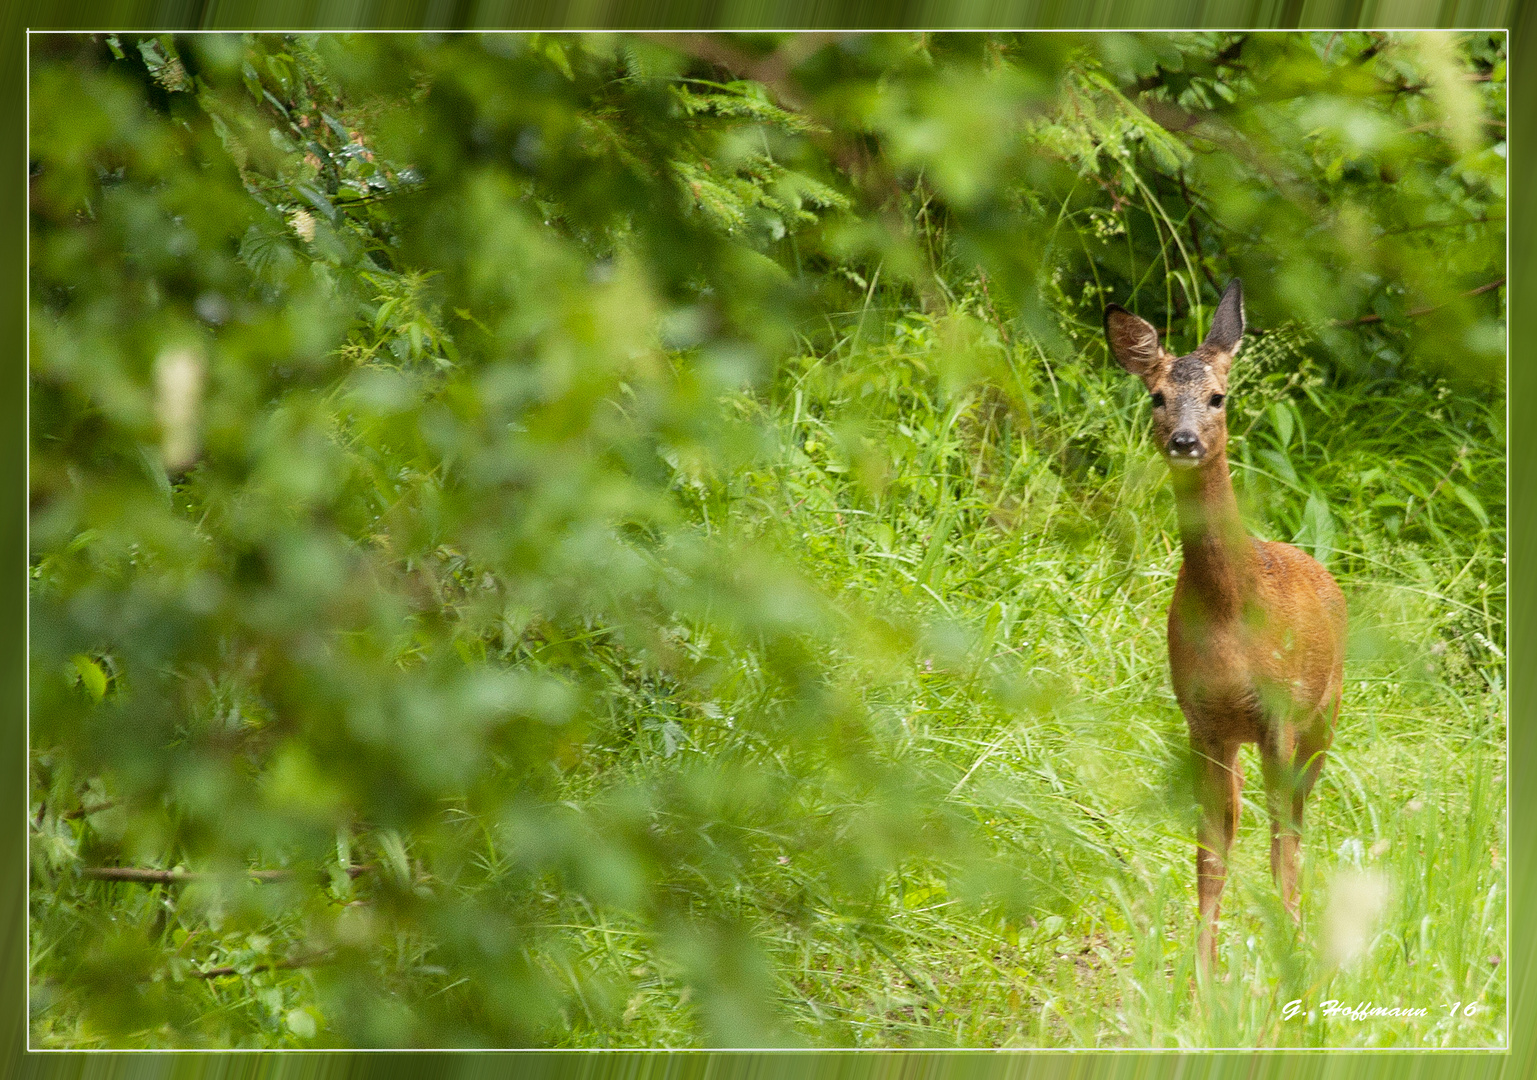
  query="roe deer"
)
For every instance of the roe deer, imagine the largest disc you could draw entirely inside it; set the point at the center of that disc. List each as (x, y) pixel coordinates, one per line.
(1256, 629)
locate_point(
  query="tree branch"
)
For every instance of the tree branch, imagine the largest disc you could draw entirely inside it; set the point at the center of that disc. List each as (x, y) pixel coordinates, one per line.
(1417, 312)
(144, 875)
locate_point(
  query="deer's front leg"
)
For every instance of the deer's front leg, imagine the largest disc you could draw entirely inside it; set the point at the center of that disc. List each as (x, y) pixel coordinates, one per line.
(1219, 783)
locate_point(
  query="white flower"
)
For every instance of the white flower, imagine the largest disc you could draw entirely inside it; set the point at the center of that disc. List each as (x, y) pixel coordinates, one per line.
(1356, 902)
(303, 223)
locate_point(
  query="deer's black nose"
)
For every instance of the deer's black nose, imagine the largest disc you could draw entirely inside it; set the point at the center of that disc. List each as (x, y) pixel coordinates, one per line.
(1183, 442)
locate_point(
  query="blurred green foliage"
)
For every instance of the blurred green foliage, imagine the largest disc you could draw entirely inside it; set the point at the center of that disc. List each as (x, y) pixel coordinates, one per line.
(425, 431)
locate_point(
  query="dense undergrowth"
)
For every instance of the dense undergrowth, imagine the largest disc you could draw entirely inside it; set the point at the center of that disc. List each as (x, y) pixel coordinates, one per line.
(674, 565)
(1044, 579)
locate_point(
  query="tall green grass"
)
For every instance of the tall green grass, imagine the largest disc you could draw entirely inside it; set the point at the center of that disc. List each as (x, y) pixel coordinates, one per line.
(1030, 531)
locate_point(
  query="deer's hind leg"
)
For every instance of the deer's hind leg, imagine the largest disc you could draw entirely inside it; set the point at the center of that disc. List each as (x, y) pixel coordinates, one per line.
(1308, 758)
(1219, 785)
(1312, 749)
(1291, 760)
(1278, 761)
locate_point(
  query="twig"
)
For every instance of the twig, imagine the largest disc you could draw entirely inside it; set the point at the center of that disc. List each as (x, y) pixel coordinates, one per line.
(1417, 312)
(144, 875)
(1378, 41)
(277, 965)
(1445, 225)
(772, 70)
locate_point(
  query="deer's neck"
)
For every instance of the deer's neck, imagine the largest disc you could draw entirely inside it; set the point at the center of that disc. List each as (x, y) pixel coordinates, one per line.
(1218, 552)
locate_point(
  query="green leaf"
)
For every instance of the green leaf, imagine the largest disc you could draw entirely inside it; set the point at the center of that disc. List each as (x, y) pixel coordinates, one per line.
(336, 127)
(91, 676)
(386, 310)
(1281, 418)
(301, 1022)
(394, 851)
(1317, 531)
(1471, 502)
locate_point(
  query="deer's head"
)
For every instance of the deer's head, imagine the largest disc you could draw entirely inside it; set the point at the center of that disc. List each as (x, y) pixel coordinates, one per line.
(1189, 421)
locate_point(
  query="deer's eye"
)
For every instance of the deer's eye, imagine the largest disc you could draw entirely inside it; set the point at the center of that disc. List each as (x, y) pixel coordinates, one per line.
(1157, 401)
(1216, 401)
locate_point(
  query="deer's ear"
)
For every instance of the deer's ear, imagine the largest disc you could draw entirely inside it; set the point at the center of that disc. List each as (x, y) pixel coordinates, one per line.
(1133, 340)
(1226, 333)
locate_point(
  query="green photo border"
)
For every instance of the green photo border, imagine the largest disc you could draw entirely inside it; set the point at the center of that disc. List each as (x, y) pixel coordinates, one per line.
(1515, 15)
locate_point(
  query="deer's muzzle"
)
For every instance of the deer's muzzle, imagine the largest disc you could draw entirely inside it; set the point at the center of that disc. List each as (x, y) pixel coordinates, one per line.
(1185, 449)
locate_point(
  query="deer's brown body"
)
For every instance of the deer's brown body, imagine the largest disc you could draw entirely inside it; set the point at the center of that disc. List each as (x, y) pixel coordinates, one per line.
(1256, 629)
